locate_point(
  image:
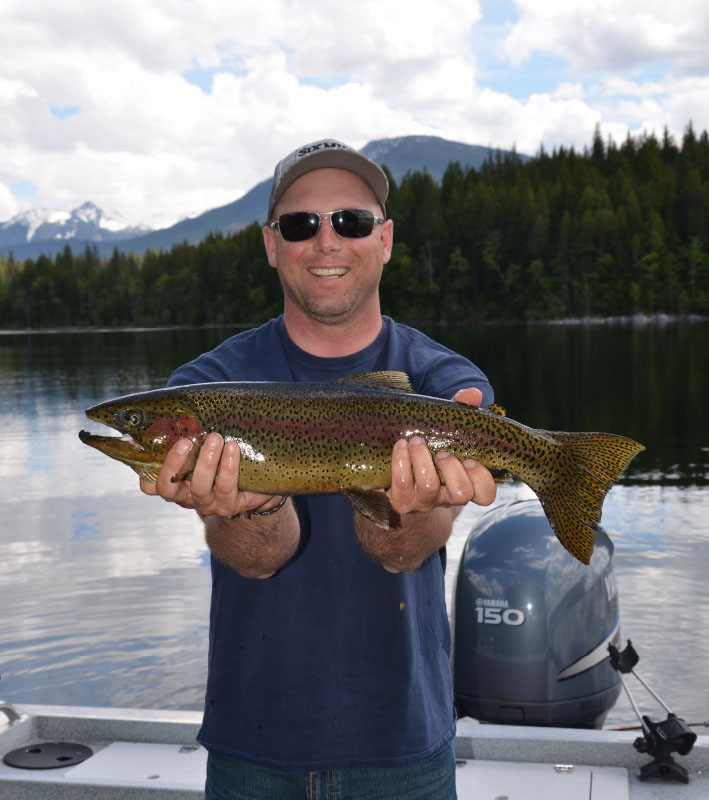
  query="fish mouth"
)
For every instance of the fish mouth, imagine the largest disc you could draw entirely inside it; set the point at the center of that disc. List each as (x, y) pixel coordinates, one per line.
(118, 443)
(125, 449)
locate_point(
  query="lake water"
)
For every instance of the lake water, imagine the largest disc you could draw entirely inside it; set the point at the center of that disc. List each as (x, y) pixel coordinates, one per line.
(104, 592)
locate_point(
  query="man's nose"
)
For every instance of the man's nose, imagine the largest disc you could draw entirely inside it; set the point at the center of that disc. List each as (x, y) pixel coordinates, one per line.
(326, 239)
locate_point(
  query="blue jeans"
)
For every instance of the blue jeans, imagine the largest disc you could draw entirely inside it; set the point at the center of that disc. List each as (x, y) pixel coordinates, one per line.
(235, 780)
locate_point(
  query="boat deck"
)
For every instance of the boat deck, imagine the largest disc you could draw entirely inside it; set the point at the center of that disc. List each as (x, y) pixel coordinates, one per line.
(152, 754)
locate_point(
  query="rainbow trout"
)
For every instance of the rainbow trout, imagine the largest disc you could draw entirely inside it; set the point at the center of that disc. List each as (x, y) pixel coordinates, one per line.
(319, 438)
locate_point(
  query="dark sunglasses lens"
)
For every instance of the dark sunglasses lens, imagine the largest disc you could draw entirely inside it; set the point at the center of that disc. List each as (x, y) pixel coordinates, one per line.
(298, 226)
(353, 223)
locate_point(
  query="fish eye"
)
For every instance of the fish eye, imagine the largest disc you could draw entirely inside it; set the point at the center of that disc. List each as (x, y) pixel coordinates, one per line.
(133, 417)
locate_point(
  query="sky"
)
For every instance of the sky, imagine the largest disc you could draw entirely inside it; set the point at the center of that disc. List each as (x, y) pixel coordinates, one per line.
(162, 109)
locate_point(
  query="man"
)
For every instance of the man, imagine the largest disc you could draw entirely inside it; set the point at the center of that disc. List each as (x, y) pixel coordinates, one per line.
(330, 676)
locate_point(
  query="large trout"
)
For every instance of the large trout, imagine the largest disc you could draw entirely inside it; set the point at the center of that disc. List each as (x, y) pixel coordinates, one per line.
(319, 438)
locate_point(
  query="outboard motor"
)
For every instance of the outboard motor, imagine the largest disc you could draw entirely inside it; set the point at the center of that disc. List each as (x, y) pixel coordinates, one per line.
(532, 624)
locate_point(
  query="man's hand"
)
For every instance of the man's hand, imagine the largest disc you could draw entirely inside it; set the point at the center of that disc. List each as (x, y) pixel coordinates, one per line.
(213, 487)
(255, 546)
(415, 484)
(427, 506)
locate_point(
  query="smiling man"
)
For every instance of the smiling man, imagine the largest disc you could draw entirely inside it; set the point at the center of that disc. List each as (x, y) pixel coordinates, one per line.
(334, 285)
(329, 651)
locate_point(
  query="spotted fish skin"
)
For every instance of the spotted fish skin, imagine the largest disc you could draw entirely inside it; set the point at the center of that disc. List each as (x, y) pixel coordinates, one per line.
(313, 438)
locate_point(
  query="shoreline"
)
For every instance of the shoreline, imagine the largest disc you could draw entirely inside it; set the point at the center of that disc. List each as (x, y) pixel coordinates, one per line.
(632, 319)
(625, 319)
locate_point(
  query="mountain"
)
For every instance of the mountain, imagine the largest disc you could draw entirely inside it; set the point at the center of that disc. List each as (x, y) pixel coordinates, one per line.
(87, 223)
(412, 153)
(35, 232)
(253, 206)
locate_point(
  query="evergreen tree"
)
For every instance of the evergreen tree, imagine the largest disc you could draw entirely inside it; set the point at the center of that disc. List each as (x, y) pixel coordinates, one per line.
(619, 229)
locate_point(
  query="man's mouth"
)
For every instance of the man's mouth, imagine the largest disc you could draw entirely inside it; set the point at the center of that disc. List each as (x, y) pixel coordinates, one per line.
(328, 272)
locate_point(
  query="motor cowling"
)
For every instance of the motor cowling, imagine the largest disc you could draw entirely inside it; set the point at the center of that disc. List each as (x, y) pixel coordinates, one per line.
(532, 624)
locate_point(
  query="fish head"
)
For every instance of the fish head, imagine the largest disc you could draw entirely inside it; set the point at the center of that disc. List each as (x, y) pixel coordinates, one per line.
(150, 424)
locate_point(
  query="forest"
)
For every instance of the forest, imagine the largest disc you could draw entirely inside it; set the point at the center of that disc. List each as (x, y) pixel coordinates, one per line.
(617, 229)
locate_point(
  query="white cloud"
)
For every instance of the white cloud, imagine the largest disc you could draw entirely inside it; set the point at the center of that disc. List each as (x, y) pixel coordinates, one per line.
(143, 139)
(8, 203)
(540, 119)
(648, 58)
(603, 35)
(568, 90)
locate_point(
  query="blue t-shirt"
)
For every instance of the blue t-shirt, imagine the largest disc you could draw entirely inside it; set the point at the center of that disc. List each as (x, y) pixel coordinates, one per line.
(333, 661)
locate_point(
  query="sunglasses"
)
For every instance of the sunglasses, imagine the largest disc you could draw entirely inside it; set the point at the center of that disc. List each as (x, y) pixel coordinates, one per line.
(350, 223)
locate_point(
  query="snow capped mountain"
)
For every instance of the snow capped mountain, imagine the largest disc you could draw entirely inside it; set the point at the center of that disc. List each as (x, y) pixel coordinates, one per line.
(31, 220)
(87, 222)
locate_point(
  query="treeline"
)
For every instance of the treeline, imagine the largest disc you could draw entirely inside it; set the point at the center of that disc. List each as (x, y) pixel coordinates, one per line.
(220, 280)
(617, 229)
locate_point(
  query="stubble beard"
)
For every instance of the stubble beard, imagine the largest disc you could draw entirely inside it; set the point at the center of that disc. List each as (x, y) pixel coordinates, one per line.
(341, 311)
(323, 312)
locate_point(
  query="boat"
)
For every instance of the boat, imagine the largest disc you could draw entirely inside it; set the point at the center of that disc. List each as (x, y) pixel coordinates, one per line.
(138, 753)
(537, 663)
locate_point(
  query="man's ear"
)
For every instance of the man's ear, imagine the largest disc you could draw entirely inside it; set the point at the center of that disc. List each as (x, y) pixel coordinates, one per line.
(269, 242)
(387, 239)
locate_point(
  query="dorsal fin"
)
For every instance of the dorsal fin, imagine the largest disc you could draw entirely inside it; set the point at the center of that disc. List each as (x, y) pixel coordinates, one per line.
(389, 380)
(494, 408)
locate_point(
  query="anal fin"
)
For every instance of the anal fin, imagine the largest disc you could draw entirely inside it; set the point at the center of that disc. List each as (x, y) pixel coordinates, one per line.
(375, 506)
(501, 475)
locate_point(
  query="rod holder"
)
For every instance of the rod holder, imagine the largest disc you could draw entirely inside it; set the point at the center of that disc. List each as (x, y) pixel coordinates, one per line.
(659, 739)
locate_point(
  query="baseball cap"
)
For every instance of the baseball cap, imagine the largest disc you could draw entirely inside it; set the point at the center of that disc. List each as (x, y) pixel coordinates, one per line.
(327, 153)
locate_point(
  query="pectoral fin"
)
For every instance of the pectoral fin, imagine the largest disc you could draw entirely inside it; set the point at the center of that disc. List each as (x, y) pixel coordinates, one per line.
(185, 473)
(375, 506)
(146, 473)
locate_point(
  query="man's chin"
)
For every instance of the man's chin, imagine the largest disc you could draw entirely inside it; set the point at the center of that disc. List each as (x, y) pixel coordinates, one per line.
(328, 313)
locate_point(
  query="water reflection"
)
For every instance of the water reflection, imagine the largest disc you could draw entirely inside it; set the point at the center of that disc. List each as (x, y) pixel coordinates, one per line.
(647, 382)
(105, 591)
(107, 596)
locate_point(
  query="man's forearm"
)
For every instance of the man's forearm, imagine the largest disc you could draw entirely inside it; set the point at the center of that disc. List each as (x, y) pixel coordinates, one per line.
(407, 547)
(255, 546)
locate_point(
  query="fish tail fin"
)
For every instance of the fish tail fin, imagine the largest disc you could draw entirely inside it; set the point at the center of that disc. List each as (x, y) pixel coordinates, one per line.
(572, 495)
